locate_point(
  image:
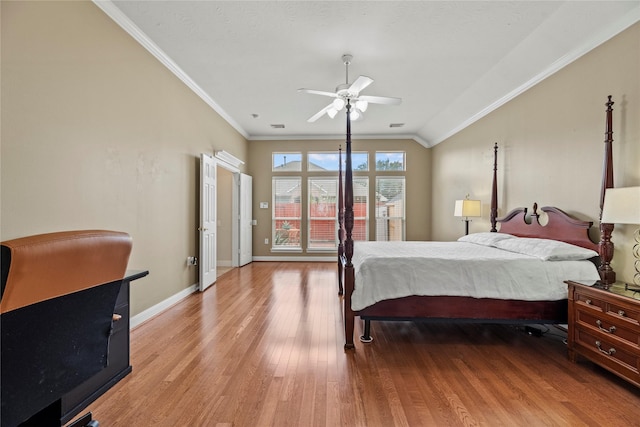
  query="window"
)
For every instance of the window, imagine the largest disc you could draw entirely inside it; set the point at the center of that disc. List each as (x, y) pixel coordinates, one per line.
(287, 213)
(390, 201)
(323, 211)
(360, 208)
(323, 216)
(359, 161)
(319, 185)
(390, 161)
(286, 162)
(328, 161)
(322, 161)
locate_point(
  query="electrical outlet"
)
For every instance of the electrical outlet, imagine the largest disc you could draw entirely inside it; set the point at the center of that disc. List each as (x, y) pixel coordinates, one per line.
(266, 241)
(191, 260)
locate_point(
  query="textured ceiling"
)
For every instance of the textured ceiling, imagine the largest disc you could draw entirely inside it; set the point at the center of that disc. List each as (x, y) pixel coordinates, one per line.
(451, 62)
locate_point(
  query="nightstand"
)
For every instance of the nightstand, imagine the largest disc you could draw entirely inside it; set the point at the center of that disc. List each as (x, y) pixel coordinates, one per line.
(604, 327)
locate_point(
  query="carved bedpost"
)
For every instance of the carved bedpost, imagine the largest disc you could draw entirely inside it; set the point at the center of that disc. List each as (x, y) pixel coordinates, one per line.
(605, 247)
(349, 275)
(494, 190)
(340, 222)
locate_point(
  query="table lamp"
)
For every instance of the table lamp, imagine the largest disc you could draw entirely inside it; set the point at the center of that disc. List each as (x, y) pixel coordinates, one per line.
(622, 206)
(467, 208)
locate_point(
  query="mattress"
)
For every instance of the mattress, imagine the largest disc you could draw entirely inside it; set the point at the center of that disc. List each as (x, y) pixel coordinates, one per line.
(388, 270)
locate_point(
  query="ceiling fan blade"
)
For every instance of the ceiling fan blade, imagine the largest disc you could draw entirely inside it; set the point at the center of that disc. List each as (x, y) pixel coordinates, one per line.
(319, 114)
(317, 92)
(360, 83)
(381, 100)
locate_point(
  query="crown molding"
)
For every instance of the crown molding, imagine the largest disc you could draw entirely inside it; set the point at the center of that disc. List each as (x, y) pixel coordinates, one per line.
(596, 40)
(415, 138)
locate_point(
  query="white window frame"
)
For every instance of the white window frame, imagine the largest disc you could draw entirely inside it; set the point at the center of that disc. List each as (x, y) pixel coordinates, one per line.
(275, 219)
(310, 181)
(383, 221)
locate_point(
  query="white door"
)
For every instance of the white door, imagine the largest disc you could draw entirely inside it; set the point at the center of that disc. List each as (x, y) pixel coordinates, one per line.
(207, 227)
(246, 220)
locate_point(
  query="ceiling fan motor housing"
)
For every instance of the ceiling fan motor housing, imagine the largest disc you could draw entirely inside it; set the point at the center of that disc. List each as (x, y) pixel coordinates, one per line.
(343, 90)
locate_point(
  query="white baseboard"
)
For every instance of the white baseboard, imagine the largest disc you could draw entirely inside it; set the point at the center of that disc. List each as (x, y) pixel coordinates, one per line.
(162, 306)
(333, 258)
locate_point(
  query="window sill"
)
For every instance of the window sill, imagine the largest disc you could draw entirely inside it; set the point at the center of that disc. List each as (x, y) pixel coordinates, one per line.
(322, 250)
(287, 250)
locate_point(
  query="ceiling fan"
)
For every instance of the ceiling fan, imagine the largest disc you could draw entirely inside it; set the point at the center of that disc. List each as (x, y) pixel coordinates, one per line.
(349, 93)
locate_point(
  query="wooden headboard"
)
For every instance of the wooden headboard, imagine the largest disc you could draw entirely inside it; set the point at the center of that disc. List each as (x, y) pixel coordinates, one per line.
(560, 226)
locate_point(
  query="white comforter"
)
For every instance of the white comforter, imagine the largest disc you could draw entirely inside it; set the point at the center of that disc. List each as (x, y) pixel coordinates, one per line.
(387, 270)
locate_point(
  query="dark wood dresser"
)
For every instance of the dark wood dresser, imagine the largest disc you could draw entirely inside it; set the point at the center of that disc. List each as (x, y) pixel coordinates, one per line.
(604, 327)
(118, 366)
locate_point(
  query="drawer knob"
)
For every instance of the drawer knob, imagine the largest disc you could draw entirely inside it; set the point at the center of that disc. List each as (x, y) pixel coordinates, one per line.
(609, 352)
(588, 301)
(611, 330)
(621, 313)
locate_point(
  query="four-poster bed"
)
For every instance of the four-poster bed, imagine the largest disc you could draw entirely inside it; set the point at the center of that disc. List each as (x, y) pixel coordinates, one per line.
(560, 227)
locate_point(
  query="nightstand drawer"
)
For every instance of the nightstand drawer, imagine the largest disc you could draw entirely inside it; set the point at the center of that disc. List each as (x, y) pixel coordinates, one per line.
(586, 299)
(625, 312)
(607, 325)
(604, 327)
(608, 352)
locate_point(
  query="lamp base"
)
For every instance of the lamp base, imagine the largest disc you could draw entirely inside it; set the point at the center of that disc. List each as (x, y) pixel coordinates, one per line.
(636, 256)
(633, 288)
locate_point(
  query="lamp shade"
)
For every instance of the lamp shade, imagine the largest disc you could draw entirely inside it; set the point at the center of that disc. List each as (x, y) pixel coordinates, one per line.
(467, 208)
(621, 206)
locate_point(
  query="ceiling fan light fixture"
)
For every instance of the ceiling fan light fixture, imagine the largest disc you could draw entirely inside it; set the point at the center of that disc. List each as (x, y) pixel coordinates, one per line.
(349, 93)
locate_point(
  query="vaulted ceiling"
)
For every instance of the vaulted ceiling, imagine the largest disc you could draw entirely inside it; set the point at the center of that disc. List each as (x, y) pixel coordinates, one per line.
(451, 62)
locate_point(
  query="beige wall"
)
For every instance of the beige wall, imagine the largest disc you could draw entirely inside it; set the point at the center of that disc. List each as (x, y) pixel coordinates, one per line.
(418, 185)
(551, 146)
(96, 133)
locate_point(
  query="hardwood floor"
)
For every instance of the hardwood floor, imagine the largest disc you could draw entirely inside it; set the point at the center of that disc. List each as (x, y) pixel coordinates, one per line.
(264, 347)
(223, 270)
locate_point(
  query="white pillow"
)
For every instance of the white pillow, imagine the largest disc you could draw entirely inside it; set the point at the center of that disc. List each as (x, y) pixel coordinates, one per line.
(486, 238)
(545, 249)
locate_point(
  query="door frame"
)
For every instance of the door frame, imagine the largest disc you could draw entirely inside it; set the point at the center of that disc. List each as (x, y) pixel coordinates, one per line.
(248, 222)
(235, 210)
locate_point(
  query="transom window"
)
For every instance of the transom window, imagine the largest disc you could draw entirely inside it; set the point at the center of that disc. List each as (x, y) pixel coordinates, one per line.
(329, 161)
(287, 162)
(390, 161)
